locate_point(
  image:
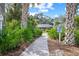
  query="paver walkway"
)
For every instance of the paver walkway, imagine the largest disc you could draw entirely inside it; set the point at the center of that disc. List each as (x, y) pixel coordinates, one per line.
(38, 48)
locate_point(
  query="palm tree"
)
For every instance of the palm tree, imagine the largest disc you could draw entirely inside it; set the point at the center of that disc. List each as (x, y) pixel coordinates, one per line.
(25, 7)
(69, 23)
(13, 11)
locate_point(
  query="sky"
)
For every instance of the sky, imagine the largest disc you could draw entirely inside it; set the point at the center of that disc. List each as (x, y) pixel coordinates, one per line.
(49, 9)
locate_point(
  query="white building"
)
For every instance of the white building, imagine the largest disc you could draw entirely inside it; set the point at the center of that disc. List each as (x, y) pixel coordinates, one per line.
(44, 26)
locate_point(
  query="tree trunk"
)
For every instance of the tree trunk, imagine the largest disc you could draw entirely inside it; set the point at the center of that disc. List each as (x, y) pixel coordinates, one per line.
(24, 15)
(2, 15)
(69, 24)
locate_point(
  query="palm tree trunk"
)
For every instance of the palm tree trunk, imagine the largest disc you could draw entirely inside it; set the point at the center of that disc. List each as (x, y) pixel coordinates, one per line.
(69, 23)
(24, 15)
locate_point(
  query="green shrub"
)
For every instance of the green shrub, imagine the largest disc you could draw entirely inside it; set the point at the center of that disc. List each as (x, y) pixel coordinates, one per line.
(53, 33)
(37, 32)
(0, 35)
(76, 21)
(11, 36)
(76, 37)
(32, 31)
(27, 35)
(63, 33)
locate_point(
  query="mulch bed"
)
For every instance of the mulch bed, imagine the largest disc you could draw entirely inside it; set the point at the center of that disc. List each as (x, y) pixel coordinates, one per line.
(68, 50)
(17, 51)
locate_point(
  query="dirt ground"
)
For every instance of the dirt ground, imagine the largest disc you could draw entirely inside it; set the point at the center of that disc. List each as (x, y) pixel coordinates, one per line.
(52, 45)
(17, 51)
(68, 50)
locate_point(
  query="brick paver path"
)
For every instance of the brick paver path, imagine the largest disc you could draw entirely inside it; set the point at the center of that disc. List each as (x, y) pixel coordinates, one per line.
(38, 48)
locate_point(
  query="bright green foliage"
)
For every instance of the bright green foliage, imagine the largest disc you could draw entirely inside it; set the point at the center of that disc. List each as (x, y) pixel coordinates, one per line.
(32, 26)
(27, 35)
(77, 21)
(31, 23)
(76, 33)
(0, 35)
(31, 32)
(37, 32)
(11, 36)
(63, 33)
(53, 33)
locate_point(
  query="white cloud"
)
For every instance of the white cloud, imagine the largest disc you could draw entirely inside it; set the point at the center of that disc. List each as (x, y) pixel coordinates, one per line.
(50, 6)
(43, 10)
(43, 7)
(55, 16)
(33, 13)
(40, 6)
(39, 11)
(30, 5)
(65, 9)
